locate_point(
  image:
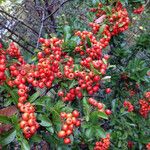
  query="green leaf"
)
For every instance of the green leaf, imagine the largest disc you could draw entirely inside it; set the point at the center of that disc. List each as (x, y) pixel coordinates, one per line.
(101, 29)
(67, 33)
(114, 105)
(45, 121)
(100, 132)
(88, 42)
(50, 129)
(76, 39)
(144, 140)
(86, 109)
(5, 119)
(8, 138)
(34, 97)
(89, 132)
(102, 115)
(25, 145)
(73, 83)
(13, 93)
(36, 138)
(98, 114)
(44, 100)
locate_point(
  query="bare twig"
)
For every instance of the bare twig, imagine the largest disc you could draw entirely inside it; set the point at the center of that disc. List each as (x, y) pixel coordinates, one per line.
(56, 10)
(21, 45)
(19, 21)
(41, 27)
(12, 32)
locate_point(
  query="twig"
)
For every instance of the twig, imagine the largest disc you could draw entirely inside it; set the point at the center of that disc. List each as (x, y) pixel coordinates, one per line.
(22, 46)
(19, 21)
(19, 37)
(40, 32)
(55, 10)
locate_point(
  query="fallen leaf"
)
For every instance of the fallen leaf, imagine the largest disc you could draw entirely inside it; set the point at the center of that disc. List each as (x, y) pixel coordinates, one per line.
(8, 111)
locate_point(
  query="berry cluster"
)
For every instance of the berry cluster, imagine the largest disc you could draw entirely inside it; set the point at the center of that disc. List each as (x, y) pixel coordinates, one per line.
(138, 10)
(70, 121)
(71, 94)
(128, 105)
(28, 123)
(99, 12)
(95, 27)
(13, 50)
(118, 21)
(145, 105)
(99, 105)
(49, 61)
(103, 144)
(2, 65)
(21, 74)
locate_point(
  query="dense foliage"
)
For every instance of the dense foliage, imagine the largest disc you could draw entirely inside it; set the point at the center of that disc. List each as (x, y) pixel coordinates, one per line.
(78, 93)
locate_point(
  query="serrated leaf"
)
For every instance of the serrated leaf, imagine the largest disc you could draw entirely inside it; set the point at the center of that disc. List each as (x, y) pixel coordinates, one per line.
(43, 101)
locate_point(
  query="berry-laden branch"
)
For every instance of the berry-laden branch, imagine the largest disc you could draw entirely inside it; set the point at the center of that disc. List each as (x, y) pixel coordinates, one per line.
(54, 64)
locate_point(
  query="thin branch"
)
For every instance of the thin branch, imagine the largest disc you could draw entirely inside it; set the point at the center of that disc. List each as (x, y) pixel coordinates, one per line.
(12, 32)
(21, 45)
(56, 10)
(40, 31)
(19, 21)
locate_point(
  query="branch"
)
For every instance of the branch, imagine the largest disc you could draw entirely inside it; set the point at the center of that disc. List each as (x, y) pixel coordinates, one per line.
(40, 32)
(56, 10)
(49, 9)
(19, 21)
(12, 32)
(21, 45)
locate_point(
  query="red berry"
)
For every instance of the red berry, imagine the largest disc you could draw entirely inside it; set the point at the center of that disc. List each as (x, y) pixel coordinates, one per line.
(108, 90)
(67, 141)
(61, 134)
(75, 113)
